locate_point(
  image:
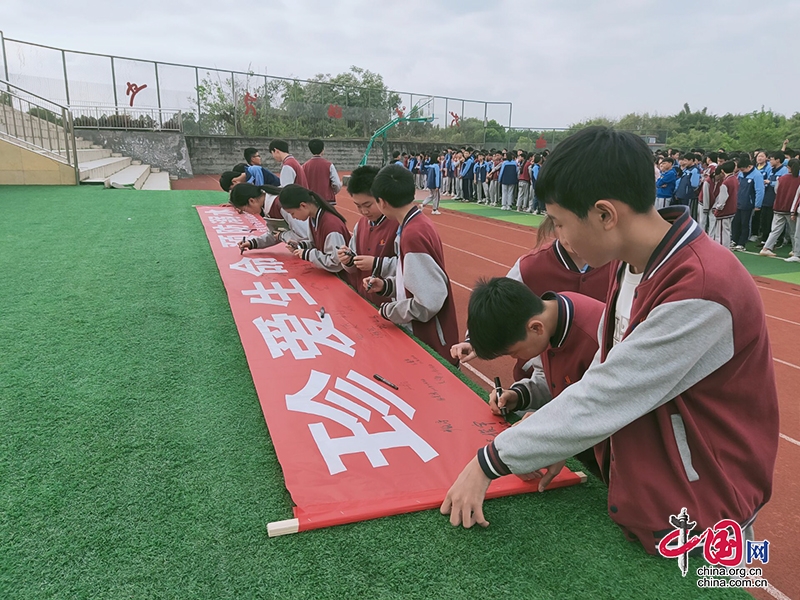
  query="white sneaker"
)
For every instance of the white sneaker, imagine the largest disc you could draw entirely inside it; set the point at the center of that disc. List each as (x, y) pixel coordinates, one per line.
(738, 248)
(766, 252)
(753, 238)
(435, 212)
(792, 259)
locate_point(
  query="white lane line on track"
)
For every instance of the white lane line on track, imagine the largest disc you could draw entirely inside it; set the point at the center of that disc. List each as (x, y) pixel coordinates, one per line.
(789, 439)
(784, 320)
(761, 287)
(478, 256)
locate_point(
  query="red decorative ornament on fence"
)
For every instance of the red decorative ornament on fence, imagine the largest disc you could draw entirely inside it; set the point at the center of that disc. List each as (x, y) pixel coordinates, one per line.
(249, 104)
(134, 89)
(335, 111)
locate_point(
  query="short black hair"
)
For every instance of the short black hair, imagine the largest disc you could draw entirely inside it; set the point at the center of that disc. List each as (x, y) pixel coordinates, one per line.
(499, 310)
(281, 145)
(668, 159)
(727, 167)
(396, 154)
(714, 156)
(249, 153)
(744, 161)
(598, 163)
(395, 185)
(226, 180)
(316, 146)
(778, 155)
(361, 180)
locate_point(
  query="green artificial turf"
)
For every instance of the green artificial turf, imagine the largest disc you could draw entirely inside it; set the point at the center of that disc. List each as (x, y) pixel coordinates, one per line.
(771, 267)
(491, 212)
(135, 461)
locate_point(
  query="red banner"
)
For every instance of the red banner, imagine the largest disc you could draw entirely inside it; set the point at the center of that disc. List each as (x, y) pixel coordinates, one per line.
(351, 447)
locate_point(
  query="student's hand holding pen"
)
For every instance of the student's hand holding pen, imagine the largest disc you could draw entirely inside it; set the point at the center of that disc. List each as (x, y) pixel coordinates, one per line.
(245, 245)
(508, 400)
(373, 284)
(343, 254)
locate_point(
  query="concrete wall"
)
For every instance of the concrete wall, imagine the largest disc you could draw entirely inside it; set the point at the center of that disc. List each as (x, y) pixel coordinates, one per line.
(215, 154)
(20, 166)
(165, 150)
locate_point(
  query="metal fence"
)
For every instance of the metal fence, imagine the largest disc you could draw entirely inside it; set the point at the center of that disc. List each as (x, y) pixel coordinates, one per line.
(223, 102)
(38, 124)
(123, 117)
(532, 139)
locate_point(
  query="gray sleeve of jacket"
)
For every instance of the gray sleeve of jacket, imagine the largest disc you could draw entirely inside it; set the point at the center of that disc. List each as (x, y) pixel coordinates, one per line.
(533, 392)
(388, 266)
(263, 241)
(679, 344)
(327, 257)
(515, 273)
(427, 282)
(299, 229)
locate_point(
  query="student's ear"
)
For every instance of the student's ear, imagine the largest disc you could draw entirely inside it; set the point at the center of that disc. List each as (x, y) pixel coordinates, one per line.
(535, 326)
(607, 213)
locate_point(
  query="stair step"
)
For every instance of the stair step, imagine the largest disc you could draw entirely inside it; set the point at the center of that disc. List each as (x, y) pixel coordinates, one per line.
(89, 154)
(96, 171)
(155, 170)
(115, 154)
(82, 144)
(173, 178)
(158, 180)
(136, 162)
(133, 176)
(96, 146)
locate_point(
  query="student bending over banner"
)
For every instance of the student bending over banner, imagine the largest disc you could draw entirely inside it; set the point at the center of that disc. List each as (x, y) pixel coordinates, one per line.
(680, 402)
(371, 248)
(328, 227)
(263, 201)
(506, 318)
(423, 300)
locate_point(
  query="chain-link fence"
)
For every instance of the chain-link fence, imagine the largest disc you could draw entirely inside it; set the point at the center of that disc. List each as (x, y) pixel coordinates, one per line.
(532, 139)
(217, 102)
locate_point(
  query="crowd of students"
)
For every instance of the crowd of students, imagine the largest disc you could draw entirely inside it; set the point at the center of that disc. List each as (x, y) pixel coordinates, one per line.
(640, 340)
(493, 177)
(736, 197)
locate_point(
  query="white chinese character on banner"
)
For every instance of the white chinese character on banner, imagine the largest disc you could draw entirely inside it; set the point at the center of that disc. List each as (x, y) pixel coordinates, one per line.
(220, 211)
(259, 266)
(229, 241)
(286, 333)
(228, 219)
(347, 413)
(278, 295)
(241, 229)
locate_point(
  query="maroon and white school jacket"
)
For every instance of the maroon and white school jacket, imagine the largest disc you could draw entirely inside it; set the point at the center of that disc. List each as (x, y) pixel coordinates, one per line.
(684, 409)
(373, 239)
(423, 298)
(787, 193)
(725, 201)
(572, 348)
(550, 268)
(328, 232)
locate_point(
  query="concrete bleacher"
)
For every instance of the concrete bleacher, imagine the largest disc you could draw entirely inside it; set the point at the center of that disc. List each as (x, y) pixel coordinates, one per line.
(31, 142)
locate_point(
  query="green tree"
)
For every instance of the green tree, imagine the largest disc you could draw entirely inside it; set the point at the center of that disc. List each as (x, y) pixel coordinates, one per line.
(762, 129)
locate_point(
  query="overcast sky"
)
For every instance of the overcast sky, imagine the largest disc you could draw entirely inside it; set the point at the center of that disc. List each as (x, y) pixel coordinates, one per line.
(558, 61)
